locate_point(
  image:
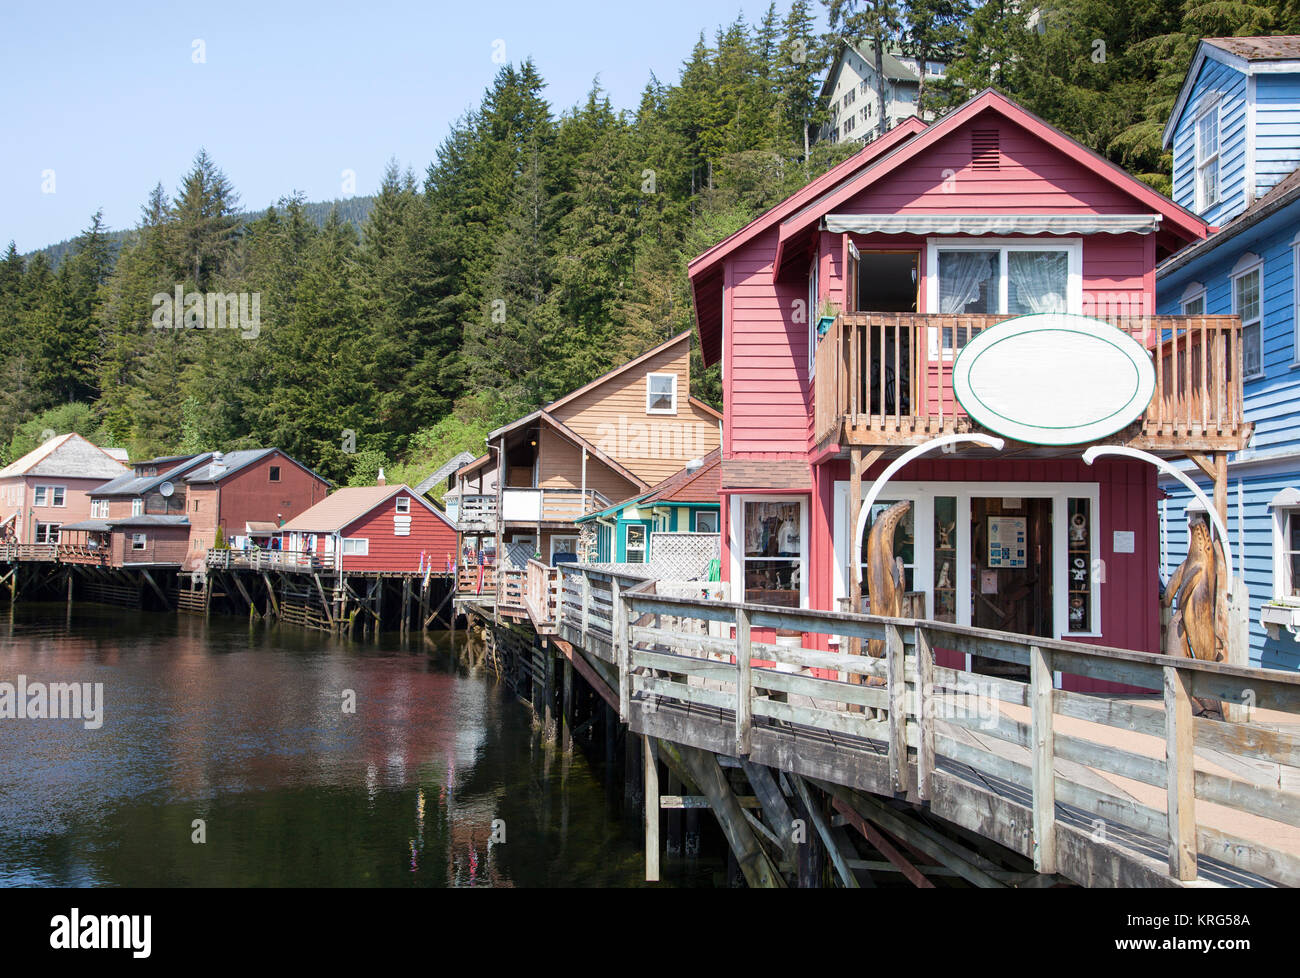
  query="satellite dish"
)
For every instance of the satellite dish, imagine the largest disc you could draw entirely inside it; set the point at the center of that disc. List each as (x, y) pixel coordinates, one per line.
(166, 489)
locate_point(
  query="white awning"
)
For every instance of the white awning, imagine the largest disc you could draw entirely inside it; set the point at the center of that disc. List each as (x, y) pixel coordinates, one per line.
(1285, 499)
(994, 223)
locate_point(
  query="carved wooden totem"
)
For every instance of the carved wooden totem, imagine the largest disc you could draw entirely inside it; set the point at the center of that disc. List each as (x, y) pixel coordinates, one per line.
(885, 581)
(1198, 628)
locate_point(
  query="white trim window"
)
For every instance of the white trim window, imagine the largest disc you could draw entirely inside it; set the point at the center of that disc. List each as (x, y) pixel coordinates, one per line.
(356, 547)
(49, 496)
(564, 544)
(47, 532)
(139, 541)
(661, 394)
(1207, 158)
(706, 521)
(1286, 555)
(941, 534)
(403, 504)
(1002, 277)
(635, 543)
(770, 549)
(1194, 305)
(137, 507)
(1247, 302)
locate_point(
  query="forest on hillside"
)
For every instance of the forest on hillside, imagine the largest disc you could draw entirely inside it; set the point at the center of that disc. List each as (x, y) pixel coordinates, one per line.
(540, 248)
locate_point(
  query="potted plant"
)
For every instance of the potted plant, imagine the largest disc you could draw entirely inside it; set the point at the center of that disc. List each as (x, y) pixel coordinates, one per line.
(826, 317)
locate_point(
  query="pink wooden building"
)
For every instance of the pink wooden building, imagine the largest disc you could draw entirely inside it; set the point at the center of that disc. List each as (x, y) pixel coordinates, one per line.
(840, 318)
(50, 486)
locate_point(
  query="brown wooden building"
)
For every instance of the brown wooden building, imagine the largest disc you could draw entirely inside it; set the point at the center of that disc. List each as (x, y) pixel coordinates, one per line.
(617, 436)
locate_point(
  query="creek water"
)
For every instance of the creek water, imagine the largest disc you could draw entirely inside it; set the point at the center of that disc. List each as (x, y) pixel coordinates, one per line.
(227, 757)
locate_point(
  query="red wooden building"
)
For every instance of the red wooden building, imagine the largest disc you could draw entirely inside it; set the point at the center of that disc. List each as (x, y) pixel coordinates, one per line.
(389, 529)
(840, 318)
(242, 492)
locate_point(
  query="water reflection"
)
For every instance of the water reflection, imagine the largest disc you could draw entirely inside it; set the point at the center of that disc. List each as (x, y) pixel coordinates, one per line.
(239, 733)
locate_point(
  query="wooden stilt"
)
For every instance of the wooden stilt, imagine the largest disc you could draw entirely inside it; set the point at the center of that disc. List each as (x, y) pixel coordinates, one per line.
(651, 775)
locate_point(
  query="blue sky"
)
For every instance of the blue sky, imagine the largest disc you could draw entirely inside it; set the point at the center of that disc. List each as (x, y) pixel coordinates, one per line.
(288, 95)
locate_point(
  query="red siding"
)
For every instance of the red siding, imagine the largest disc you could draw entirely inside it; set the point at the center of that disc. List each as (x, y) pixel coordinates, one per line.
(1129, 607)
(250, 495)
(430, 535)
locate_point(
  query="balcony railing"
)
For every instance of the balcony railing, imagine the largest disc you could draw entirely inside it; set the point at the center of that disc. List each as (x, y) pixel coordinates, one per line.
(265, 560)
(522, 505)
(887, 378)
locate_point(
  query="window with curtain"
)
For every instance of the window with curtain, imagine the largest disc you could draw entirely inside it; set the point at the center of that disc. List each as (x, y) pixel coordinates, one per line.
(1000, 281)
(1037, 281)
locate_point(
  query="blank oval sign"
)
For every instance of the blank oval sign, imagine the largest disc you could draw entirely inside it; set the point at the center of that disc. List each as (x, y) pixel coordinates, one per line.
(1053, 379)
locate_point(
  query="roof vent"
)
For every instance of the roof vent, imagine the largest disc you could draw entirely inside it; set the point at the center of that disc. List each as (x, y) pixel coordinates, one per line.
(218, 465)
(694, 465)
(984, 150)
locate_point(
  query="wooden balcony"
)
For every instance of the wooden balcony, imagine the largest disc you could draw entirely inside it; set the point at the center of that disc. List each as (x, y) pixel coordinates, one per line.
(529, 505)
(885, 379)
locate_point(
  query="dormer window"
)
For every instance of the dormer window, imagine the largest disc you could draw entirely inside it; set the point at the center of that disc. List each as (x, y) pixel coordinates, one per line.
(1207, 159)
(661, 394)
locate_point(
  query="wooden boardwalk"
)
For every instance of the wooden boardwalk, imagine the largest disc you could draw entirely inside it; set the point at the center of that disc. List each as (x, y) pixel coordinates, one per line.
(1092, 788)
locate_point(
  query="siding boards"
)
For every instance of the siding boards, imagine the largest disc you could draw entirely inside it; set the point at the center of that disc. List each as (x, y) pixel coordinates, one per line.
(612, 416)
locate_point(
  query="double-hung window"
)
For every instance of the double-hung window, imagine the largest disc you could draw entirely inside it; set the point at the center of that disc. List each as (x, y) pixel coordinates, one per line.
(1246, 304)
(1207, 159)
(661, 394)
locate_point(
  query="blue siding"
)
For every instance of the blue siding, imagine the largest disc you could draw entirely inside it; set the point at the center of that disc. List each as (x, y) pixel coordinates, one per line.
(1229, 85)
(1277, 128)
(1256, 491)
(1272, 460)
(1273, 398)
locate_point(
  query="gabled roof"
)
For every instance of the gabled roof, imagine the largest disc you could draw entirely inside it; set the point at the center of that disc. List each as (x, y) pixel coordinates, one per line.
(686, 485)
(705, 270)
(895, 70)
(131, 484)
(683, 338)
(1248, 55)
(544, 416)
(690, 486)
(67, 456)
(453, 464)
(343, 507)
(801, 213)
(1282, 195)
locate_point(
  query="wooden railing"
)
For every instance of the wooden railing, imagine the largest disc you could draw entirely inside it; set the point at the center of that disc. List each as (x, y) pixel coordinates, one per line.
(264, 560)
(28, 551)
(877, 382)
(542, 592)
(525, 505)
(477, 509)
(468, 581)
(81, 553)
(698, 672)
(511, 584)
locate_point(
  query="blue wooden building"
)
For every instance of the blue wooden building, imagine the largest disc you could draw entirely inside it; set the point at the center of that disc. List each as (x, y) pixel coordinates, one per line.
(1235, 137)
